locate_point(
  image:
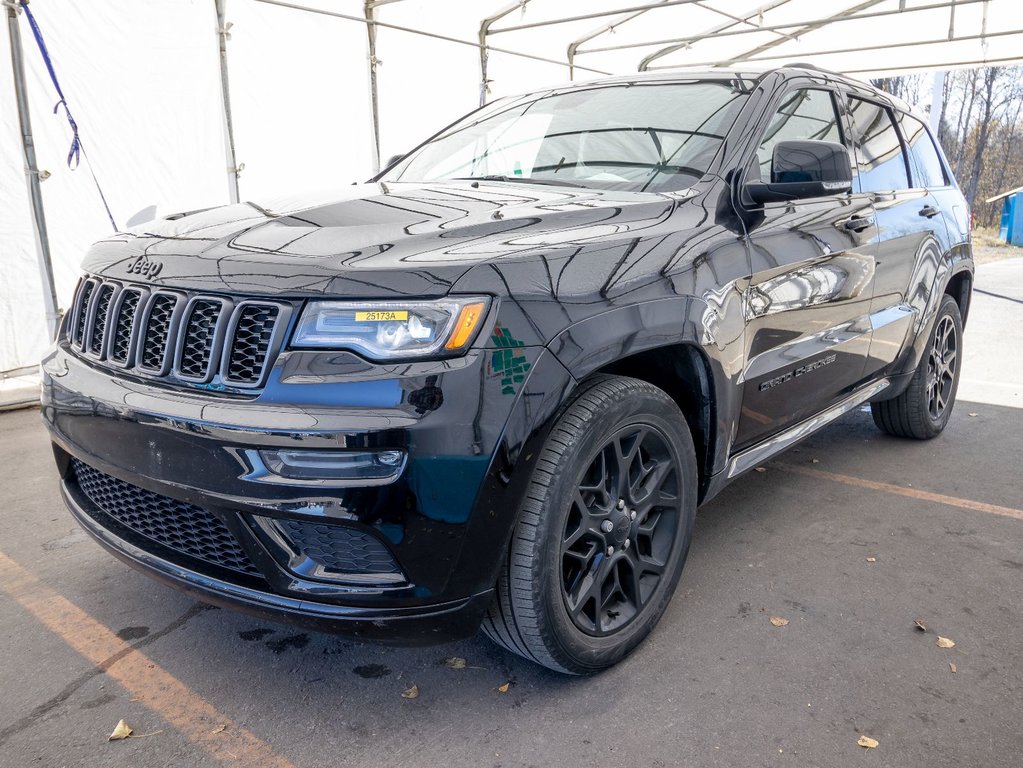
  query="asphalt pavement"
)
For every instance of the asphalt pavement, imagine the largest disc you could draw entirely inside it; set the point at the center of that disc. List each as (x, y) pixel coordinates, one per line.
(851, 538)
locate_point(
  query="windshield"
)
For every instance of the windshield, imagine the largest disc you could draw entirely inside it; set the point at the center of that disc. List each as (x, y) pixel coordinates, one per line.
(636, 137)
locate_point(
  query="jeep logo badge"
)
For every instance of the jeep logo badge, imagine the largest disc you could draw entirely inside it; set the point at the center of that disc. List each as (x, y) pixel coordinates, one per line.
(145, 266)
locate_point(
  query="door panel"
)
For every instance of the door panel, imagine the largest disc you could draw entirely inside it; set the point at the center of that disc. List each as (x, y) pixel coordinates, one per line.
(807, 312)
(910, 229)
(812, 272)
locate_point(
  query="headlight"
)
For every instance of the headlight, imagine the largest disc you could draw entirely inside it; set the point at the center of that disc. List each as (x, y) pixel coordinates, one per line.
(391, 330)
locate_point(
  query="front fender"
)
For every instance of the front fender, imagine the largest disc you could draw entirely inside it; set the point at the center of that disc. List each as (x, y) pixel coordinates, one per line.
(712, 326)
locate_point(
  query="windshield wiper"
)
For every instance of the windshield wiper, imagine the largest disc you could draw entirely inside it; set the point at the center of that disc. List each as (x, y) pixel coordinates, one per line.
(520, 179)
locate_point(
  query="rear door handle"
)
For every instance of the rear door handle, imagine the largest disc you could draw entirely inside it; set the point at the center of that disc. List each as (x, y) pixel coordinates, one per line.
(859, 223)
(929, 211)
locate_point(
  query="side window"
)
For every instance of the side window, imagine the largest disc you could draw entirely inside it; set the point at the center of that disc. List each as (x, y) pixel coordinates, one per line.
(927, 168)
(881, 163)
(803, 114)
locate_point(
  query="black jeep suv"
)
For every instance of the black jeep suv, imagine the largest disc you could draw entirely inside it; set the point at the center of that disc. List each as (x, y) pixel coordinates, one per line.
(492, 385)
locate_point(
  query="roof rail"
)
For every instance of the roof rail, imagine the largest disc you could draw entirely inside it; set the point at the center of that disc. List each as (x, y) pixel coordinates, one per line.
(807, 65)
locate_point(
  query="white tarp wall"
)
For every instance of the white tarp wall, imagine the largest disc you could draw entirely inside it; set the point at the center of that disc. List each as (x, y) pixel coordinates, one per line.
(143, 83)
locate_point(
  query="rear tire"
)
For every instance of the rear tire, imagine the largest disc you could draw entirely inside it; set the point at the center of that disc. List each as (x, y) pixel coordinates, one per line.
(603, 532)
(923, 410)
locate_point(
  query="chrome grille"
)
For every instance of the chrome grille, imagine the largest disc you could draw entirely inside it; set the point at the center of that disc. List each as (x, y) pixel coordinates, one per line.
(251, 333)
(195, 339)
(156, 333)
(124, 322)
(195, 355)
(84, 298)
(104, 295)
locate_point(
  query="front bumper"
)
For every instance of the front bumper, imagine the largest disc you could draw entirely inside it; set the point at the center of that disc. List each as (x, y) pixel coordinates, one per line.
(445, 521)
(437, 623)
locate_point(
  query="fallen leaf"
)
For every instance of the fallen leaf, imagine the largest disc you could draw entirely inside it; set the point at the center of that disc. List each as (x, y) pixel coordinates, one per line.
(815, 461)
(121, 731)
(871, 559)
(867, 742)
(504, 688)
(919, 624)
(973, 414)
(411, 693)
(952, 668)
(219, 729)
(136, 698)
(778, 621)
(454, 663)
(761, 469)
(944, 642)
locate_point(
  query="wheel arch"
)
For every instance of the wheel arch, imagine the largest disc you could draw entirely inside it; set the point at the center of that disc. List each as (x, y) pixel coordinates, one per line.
(671, 344)
(683, 372)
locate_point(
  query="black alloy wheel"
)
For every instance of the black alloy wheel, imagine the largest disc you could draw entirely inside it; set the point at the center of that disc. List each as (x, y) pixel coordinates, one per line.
(941, 366)
(621, 527)
(923, 409)
(603, 531)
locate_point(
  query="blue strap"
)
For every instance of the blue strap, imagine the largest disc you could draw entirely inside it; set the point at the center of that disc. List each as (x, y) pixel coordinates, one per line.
(77, 150)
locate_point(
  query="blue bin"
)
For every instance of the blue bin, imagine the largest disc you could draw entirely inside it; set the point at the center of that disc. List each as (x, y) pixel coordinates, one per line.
(1011, 229)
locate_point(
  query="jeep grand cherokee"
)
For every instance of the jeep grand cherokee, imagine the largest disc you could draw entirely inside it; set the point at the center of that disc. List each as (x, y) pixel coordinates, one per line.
(491, 386)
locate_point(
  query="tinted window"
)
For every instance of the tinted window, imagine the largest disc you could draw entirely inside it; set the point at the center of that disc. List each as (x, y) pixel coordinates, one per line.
(880, 161)
(927, 168)
(633, 137)
(803, 114)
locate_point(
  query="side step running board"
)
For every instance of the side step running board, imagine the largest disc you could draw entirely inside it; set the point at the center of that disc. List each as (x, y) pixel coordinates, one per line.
(758, 454)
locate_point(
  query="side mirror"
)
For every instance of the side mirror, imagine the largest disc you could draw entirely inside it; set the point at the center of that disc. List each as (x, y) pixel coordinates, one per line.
(391, 161)
(802, 169)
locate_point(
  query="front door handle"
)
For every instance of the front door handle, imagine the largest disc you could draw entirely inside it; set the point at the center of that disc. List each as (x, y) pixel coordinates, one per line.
(929, 211)
(859, 223)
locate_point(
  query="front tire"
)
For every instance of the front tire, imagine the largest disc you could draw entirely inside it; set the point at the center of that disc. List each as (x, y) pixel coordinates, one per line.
(603, 532)
(923, 410)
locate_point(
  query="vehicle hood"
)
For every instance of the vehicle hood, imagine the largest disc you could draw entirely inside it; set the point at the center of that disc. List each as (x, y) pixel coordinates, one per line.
(369, 240)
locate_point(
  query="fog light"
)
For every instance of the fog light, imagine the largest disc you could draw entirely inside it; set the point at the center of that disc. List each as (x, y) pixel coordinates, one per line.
(326, 468)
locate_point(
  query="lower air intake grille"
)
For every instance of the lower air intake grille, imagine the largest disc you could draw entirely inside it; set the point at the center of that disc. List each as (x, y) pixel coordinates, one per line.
(176, 525)
(339, 549)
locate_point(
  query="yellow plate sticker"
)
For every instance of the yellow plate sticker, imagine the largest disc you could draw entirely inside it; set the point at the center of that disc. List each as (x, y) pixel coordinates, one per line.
(381, 316)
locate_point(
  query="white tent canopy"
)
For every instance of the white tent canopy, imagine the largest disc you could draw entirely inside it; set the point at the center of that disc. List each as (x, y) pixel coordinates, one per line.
(145, 82)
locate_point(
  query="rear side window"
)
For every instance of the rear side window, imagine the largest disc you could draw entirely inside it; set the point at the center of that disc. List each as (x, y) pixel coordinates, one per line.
(803, 114)
(923, 157)
(880, 161)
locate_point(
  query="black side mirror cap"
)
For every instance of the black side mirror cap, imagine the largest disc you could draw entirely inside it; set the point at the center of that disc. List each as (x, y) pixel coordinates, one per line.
(391, 161)
(802, 169)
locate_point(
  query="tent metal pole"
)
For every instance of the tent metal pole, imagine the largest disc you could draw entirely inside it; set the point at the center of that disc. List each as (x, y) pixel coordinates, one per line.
(35, 195)
(484, 30)
(853, 49)
(369, 10)
(944, 4)
(435, 35)
(225, 91)
(573, 47)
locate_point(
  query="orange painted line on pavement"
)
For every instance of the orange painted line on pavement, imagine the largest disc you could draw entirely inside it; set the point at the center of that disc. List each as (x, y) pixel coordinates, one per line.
(161, 692)
(913, 493)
